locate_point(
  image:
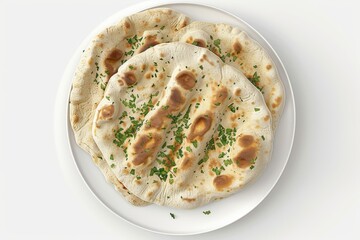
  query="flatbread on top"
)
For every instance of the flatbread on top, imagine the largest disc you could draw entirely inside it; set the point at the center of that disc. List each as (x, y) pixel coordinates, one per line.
(181, 128)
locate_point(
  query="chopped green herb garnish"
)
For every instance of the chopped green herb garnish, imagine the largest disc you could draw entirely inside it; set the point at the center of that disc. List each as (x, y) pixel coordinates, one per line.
(256, 109)
(111, 157)
(132, 171)
(103, 86)
(263, 138)
(171, 147)
(188, 148)
(112, 165)
(255, 79)
(207, 212)
(252, 161)
(181, 154)
(204, 159)
(195, 143)
(217, 170)
(217, 44)
(227, 162)
(161, 173)
(221, 155)
(201, 67)
(232, 108)
(172, 215)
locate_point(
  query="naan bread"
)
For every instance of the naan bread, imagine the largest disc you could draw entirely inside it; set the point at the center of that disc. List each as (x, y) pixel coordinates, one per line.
(237, 49)
(180, 128)
(107, 51)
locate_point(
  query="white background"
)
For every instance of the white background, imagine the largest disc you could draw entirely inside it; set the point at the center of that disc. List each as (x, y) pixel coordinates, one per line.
(318, 196)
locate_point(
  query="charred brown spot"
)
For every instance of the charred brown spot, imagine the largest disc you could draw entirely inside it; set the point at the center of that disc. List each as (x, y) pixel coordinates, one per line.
(237, 47)
(76, 119)
(121, 82)
(129, 78)
(176, 99)
(115, 55)
(158, 120)
(150, 42)
(237, 92)
(189, 199)
(266, 118)
(145, 147)
(111, 62)
(91, 61)
(248, 76)
(148, 75)
(150, 194)
(277, 102)
(221, 95)
(157, 20)
(127, 25)
(223, 181)
(215, 50)
(199, 43)
(186, 79)
(187, 163)
(107, 112)
(205, 57)
(120, 185)
(268, 67)
(246, 140)
(184, 23)
(245, 157)
(200, 126)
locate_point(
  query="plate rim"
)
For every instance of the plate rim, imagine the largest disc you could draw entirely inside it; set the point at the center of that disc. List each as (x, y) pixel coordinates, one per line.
(137, 8)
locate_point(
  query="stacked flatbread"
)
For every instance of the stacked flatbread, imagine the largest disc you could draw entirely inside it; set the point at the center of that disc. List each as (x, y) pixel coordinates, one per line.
(175, 113)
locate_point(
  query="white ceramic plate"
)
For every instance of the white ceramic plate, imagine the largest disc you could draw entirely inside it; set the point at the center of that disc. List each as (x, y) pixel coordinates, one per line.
(157, 218)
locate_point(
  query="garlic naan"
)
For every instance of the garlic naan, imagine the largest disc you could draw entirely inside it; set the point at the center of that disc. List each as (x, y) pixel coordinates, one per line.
(180, 128)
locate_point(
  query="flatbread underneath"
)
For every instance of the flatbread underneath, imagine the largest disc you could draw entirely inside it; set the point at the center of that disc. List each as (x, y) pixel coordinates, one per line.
(107, 51)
